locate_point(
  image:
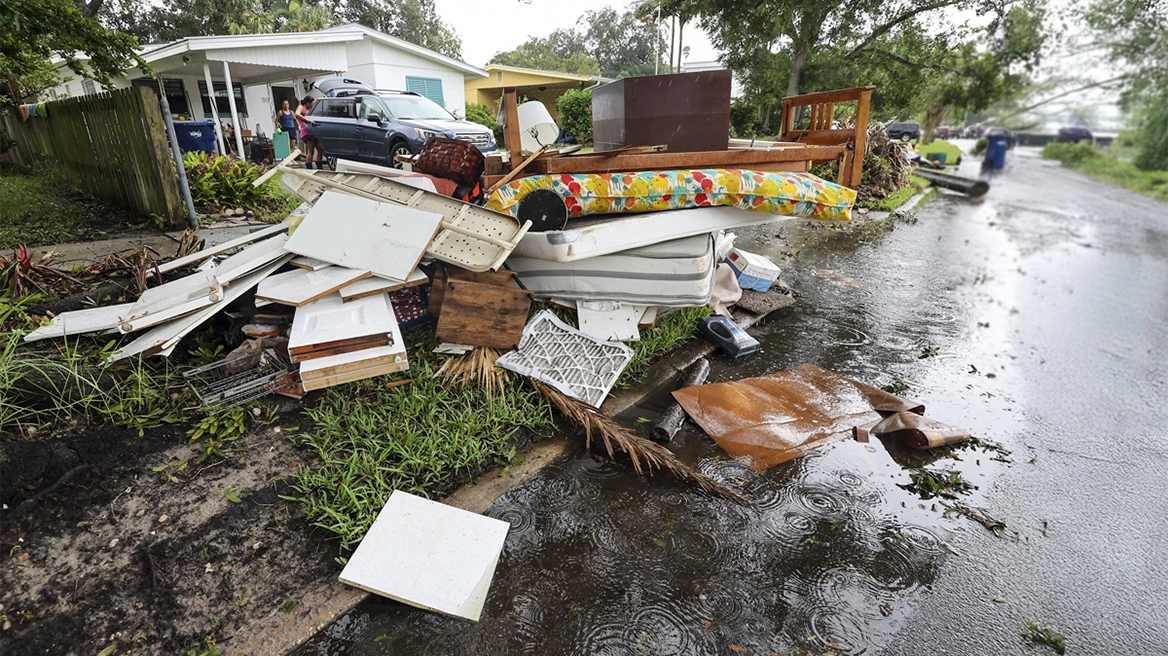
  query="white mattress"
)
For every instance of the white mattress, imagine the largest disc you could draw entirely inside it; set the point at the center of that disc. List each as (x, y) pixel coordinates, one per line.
(586, 238)
(676, 273)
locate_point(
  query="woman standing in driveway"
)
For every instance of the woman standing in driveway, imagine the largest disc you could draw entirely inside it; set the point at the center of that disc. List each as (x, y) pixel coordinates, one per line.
(287, 122)
(311, 143)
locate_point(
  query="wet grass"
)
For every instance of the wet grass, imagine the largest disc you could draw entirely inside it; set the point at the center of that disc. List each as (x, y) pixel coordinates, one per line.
(1109, 165)
(371, 439)
(1041, 634)
(40, 207)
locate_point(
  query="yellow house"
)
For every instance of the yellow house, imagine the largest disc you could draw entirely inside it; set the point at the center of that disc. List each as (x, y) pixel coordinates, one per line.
(532, 84)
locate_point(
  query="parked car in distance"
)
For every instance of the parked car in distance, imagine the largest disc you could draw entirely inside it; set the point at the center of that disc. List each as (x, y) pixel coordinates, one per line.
(943, 132)
(972, 132)
(376, 128)
(904, 130)
(1075, 134)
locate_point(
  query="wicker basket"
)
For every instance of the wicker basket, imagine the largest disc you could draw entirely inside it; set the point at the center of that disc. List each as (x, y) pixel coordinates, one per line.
(453, 159)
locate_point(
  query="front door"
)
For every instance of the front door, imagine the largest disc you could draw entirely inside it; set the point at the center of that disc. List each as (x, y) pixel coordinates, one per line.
(371, 132)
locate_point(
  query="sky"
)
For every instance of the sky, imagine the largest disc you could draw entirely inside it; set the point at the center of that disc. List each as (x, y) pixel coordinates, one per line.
(490, 26)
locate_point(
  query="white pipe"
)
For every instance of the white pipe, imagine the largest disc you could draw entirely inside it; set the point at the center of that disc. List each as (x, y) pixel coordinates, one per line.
(234, 115)
(214, 108)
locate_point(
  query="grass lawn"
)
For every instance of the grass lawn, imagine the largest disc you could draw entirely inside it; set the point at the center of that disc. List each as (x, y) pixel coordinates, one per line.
(941, 146)
(40, 208)
(1109, 165)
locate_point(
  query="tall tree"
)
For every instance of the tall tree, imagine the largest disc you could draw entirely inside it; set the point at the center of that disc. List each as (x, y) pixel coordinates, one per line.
(606, 42)
(35, 31)
(416, 21)
(1135, 33)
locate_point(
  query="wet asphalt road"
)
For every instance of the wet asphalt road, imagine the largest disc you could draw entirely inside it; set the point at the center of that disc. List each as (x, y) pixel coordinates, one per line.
(1042, 315)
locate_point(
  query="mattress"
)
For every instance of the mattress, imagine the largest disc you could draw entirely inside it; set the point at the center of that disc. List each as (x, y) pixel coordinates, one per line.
(675, 273)
(787, 193)
(587, 238)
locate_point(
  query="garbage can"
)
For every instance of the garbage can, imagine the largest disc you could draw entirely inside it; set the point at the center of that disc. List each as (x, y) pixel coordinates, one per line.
(996, 145)
(195, 135)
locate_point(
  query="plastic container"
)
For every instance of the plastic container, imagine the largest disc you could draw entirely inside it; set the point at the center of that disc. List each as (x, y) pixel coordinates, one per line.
(752, 270)
(996, 146)
(938, 157)
(729, 336)
(195, 135)
(280, 145)
(537, 128)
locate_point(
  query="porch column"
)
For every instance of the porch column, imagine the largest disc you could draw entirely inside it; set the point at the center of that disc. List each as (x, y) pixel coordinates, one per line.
(234, 114)
(214, 107)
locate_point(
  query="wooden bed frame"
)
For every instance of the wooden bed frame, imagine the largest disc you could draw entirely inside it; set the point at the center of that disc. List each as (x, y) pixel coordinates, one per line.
(799, 148)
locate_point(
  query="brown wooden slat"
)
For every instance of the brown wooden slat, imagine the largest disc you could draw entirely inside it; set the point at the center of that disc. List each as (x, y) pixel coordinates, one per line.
(747, 159)
(838, 95)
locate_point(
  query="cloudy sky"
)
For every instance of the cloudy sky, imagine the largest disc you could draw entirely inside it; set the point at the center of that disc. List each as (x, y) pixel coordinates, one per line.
(489, 26)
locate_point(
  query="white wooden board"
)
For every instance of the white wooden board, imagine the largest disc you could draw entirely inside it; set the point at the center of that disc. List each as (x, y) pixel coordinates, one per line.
(224, 247)
(332, 320)
(347, 362)
(379, 285)
(251, 258)
(301, 286)
(610, 321)
(309, 263)
(163, 338)
(385, 238)
(80, 322)
(429, 555)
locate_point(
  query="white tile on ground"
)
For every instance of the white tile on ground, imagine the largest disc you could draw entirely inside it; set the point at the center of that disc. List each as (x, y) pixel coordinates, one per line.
(429, 555)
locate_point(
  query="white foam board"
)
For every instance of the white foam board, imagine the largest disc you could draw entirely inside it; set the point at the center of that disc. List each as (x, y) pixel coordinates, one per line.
(302, 286)
(609, 320)
(385, 238)
(429, 555)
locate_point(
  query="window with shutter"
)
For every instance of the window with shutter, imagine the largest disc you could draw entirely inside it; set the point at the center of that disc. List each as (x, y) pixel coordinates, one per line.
(429, 87)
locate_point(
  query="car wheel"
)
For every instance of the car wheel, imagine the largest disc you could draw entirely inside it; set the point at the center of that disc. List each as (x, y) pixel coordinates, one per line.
(398, 148)
(906, 137)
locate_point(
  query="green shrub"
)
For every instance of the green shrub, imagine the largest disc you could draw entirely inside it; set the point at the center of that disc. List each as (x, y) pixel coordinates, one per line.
(979, 147)
(221, 182)
(743, 117)
(481, 114)
(1152, 149)
(1070, 154)
(576, 114)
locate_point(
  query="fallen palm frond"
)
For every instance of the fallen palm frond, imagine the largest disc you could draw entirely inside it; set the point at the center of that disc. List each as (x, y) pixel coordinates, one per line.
(477, 367)
(645, 454)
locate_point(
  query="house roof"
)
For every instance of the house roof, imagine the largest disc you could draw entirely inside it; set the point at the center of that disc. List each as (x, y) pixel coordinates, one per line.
(333, 35)
(567, 77)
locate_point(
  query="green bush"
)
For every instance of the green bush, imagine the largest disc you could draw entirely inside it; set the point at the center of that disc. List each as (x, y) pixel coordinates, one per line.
(225, 182)
(1152, 151)
(576, 114)
(1070, 154)
(481, 114)
(743, 117)
(979, 147)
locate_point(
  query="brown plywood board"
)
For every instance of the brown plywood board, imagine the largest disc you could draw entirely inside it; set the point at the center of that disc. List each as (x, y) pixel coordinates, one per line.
(483, 314)
(771, 419)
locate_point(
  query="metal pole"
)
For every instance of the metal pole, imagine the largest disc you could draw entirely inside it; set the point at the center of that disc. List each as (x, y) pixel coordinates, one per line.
(234, 114)
(214, 108)
(660, 42)
(183, 186)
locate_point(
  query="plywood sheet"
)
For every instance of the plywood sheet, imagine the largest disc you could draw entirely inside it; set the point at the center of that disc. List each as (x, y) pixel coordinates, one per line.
(385, 238)
(378, 285)
(301, 286)
(482, 314)
(330, 320)
(428, 555)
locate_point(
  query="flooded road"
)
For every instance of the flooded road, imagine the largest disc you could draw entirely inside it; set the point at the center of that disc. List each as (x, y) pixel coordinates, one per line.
(1036, 318)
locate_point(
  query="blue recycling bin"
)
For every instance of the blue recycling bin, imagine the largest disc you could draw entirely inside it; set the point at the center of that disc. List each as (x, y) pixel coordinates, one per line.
(195, 135)
(996, 146)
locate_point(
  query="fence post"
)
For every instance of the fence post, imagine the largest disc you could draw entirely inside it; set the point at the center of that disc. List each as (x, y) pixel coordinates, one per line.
(183, 186)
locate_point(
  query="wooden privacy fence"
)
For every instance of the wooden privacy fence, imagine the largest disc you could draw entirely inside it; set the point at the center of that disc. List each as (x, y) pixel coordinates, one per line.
(111, 145)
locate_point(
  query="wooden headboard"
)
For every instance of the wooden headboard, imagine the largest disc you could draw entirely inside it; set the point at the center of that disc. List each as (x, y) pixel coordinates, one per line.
(848, 141)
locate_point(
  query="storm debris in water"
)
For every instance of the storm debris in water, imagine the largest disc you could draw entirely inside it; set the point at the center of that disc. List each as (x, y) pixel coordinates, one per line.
(1041, 634)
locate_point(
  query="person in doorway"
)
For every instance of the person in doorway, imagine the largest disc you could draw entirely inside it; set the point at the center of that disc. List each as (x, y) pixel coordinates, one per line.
(286, 119)
(313, 152)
